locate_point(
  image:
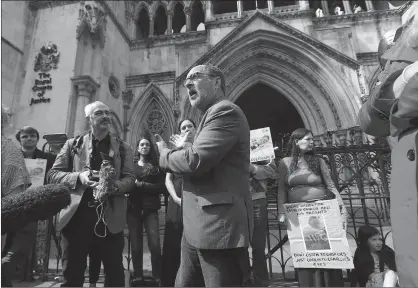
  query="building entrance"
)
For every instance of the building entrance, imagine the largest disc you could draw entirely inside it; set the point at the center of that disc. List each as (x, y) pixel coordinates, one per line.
(266, 107)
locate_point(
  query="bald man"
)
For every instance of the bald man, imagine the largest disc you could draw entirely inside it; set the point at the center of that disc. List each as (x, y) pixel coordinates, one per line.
(92, 221)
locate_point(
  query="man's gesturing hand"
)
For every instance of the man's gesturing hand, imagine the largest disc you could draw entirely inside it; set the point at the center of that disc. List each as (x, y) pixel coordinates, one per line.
(180, 140)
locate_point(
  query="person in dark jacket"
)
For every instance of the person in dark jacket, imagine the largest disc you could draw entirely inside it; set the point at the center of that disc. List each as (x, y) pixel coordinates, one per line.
(374, 262)
(392, 109)
(174, 216)
(22, 242)
(144, 203)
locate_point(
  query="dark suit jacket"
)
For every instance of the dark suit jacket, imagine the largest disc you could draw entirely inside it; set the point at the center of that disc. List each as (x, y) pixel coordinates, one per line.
(374, 114)
(115, 216)
(217, 206)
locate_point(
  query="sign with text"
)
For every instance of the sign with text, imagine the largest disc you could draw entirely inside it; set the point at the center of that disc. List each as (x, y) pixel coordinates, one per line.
(317, 238)
(36, 169)
(43, 83)
(261, 145)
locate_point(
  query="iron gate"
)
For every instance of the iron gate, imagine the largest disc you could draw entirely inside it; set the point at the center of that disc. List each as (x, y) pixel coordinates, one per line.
(360, 168)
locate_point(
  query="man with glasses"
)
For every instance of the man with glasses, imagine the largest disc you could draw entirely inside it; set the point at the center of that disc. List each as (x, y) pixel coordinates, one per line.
(90, 220)
(217, 206)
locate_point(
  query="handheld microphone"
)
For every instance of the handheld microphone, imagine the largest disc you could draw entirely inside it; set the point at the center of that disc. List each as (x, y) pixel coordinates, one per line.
(34, 204)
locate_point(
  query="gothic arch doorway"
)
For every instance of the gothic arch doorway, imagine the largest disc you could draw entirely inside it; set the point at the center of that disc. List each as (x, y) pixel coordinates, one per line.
(264, 106)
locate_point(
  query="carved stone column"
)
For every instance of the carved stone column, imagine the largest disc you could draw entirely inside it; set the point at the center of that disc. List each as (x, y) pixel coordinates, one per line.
(240, 8)
(151, 26)
(369, 5)
(188, 13)
(347, 7)
(85, 88)
(324, 4)
(270, 5)
(127, 97)
(304, 4)
(209, 11)
(169, 22)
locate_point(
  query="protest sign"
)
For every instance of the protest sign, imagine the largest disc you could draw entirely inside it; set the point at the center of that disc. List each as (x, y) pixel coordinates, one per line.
(36, 169)
(317, 239)
(261, 145)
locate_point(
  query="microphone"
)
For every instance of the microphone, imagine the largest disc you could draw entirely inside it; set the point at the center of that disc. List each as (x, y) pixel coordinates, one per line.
(34, 204)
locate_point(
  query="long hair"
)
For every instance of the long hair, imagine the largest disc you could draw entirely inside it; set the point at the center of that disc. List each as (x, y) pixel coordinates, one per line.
(311, 158)
(363, 259)
(152, 156)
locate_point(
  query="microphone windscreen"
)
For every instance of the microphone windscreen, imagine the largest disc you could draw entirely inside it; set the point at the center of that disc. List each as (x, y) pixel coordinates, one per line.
(34, 204)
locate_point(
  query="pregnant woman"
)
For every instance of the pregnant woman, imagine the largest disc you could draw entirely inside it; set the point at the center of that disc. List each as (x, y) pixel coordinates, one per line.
(305, 177)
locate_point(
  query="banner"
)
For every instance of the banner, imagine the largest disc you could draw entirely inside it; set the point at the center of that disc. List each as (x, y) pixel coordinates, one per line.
(261, 145)
(37, 169)
(317, 239)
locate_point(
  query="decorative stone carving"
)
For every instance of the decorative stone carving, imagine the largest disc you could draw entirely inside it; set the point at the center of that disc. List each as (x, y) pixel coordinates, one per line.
(362, 81)
(127, 97)
(47, 58)
(155, 121)
(145, 79)
(114, 87)
(191, 37)
(356, 17)
(93, 18)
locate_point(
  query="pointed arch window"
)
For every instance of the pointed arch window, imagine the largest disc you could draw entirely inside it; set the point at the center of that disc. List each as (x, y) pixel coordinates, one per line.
(179, 18)
(281, 3)
(198, 16)
(160, 21)
(224, 6)
(142, 24)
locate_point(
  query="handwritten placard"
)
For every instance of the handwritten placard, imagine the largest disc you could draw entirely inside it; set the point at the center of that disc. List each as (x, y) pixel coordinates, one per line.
(36, 169)
(261, 145)
(317, 238)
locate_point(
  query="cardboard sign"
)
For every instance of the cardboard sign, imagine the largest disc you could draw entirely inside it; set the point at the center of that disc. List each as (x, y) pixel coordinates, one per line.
(261, 145)
(317, 238)
(36, 169)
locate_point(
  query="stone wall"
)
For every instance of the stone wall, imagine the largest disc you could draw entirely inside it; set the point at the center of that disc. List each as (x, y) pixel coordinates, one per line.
(13, 14)
(58, 25)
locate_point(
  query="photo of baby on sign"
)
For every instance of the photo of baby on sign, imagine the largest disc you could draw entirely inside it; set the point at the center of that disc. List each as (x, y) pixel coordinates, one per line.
(261, 145)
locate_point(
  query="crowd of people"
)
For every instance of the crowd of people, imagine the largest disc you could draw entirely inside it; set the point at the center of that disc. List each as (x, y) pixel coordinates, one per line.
(217, 207)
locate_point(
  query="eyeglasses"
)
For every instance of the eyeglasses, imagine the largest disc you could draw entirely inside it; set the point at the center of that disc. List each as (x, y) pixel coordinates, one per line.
(194, 77)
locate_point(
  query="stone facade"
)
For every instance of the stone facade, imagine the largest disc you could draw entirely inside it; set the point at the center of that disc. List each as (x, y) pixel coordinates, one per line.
(134, 56)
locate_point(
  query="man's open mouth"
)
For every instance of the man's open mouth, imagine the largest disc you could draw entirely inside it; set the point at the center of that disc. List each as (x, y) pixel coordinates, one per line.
(192, 93)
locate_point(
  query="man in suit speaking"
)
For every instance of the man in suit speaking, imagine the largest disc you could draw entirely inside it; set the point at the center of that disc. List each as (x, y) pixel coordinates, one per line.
(217, 206)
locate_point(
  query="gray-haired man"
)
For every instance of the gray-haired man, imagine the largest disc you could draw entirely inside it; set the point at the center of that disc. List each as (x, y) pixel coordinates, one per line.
(81, 223)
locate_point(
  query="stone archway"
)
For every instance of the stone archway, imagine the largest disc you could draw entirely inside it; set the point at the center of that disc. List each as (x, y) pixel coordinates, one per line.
(153, 112)
(269, 109)
(320, 93)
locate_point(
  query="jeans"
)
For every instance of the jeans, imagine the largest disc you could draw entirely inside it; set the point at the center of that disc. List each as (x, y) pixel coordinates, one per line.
(17, 244)
(137, 220)
(212, 268)
(77, 239)
(258, 244)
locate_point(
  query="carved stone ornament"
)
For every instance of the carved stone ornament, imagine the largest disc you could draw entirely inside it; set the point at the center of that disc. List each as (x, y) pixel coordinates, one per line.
(156, 121)
(92, 17)
(47, 58)
(114, 87)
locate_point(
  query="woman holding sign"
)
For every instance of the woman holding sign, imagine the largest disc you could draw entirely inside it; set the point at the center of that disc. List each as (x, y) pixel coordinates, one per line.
(305, 177)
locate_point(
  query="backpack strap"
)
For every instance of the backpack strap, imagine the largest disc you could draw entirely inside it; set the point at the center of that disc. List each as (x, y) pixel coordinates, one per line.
(77, 142)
